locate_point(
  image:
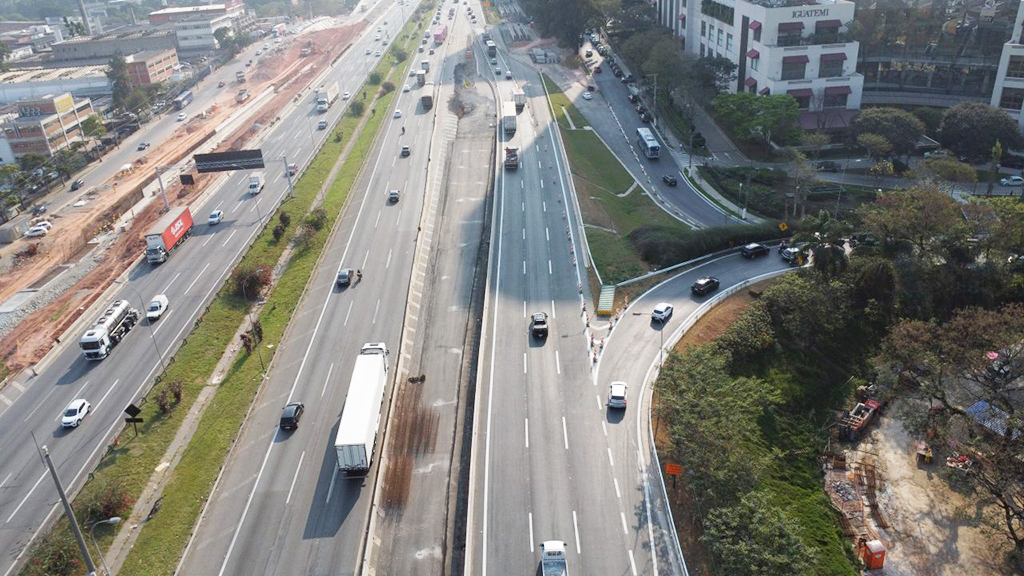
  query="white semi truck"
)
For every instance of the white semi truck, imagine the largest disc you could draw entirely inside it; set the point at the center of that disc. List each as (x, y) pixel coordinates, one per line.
(326, 96)
(360, 419)
(519, 97)
(508, 117)
(107, 332)
(552, 558)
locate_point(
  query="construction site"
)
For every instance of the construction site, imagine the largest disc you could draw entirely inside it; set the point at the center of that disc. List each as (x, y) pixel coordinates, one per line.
(47, 284)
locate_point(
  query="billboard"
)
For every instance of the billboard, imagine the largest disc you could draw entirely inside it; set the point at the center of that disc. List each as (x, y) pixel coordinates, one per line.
(224, 161)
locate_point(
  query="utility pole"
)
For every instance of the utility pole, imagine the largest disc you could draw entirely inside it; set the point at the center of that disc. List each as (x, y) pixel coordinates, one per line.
(288, 175)
(90, 568)
(163, 193)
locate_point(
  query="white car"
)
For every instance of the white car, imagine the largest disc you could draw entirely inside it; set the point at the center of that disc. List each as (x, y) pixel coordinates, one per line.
(377, 53)
(278, 41)
(43, 224)
(266, 45)
(508, 74)
(587, 96)
(405, 88)
(662, 312)
(258, 52)
(398, 113)
(215, 217)
(35, 232)
(157, 307)
(368, 51)
(1012, 181)
(346, 96)
(376, 38)
(182, 116)
(617, 395)
(74, 413)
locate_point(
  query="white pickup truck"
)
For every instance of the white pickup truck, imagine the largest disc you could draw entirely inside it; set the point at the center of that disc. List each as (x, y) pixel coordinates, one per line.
(256, 182)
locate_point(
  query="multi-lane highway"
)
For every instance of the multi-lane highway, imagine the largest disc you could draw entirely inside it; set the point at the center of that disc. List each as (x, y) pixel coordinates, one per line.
(281, 505)
(189, 278)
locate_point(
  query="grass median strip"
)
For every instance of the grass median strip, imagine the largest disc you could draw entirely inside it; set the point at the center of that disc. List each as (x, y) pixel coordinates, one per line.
(130, 464)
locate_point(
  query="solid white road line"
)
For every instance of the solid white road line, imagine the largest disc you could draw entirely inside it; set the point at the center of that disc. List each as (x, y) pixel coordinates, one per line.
(565, 433)
(197, 279)
(576, 528)
(26, 496)
(296, 477)
(326, 380)
(229, 238)
(530, 514)
(527, 433)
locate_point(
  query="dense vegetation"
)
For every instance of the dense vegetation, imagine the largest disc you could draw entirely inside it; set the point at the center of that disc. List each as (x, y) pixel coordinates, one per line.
(748, 415)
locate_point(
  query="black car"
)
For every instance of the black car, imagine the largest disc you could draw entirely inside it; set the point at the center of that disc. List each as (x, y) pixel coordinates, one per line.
(705, 285)
(290, 416)
(640, 109)
(539, 325)
(670, 180)
(645, 118)
(827, 166)
(344, 277)
(753, 250)
(617, 72)
(632, 98)
(77, 184)
(39, 209)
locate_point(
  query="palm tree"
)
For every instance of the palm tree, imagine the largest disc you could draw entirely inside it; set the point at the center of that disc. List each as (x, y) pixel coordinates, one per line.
(825, 237)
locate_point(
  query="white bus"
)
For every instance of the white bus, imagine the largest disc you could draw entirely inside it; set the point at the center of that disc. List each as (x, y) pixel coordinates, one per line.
(648, 143)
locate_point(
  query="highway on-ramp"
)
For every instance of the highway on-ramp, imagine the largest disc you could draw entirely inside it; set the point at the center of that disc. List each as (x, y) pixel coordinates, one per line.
(189, 278)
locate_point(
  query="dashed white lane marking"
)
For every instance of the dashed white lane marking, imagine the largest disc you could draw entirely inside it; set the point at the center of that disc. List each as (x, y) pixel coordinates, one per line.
(576, 528)
(625, 530)
(197, 278)
(294, 478)
(347, 313)
(565, 433)
(229, 238)
(328, 379)
(528, 438)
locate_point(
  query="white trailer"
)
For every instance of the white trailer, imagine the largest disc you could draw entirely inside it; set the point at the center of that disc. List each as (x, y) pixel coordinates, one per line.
(360, 419)
(519, 97)
(326, 96)
(508, 117)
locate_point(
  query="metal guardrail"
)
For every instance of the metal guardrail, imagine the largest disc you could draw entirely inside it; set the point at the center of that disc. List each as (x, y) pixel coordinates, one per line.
(691, 262)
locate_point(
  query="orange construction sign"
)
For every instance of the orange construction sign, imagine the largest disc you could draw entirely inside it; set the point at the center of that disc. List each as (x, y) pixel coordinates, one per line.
(673, 469)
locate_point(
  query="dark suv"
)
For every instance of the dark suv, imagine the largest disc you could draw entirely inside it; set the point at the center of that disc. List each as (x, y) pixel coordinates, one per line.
(670, 179)
(290, 416)
(753, 250)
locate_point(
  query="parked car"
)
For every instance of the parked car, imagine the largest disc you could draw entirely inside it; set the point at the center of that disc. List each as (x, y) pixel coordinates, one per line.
(617, 395)
(77, 184)
(827, 166)
(215, 217)
(75, 413)
(662, 312)
(587, 96)
(1012, 181)
(291, 414)
(39, 209)
(35, 232)
(645, 117)
(705, 286)
(670, 180)
(753, 250)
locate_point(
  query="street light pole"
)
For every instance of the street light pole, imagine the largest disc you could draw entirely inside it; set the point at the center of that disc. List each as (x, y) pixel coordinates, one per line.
(90, 568)
(112, 521)
(152, 334)
(160, 180)
(288, 175)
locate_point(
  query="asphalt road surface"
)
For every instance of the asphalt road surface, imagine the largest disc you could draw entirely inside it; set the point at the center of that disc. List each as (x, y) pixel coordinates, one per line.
(189, 278)
(281, 505)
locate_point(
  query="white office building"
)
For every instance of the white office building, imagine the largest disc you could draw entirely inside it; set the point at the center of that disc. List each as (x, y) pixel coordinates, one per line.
(796, 47)
(196, 34)
(1008, 92)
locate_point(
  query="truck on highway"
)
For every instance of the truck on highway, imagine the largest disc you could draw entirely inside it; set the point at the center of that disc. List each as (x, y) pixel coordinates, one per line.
(512, 161)
(492, 48)
(421, 77)
(425, 65)
(278, 30)
(360, 418)
(427, 99)
(508, 117)
(242, 96)
(256, 182)
(519, 97)
(552, 558)
(240, 76)
(109, 329)
(440, 33)
(326, 96)
(167, 233)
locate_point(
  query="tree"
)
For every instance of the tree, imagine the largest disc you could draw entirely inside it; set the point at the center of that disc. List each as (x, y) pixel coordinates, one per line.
(968, 368)
(756, 538)
(117, 72)
(971, 129)
(74, 28)
(921, 218)
(946, 170)
(706, 78)
(901, 128)
(760, 118)
(931, 118)
(638, 47)
(93, 127)
(630, 18)
(32, 160)
(877, 146)
(817, 141)
(993, 167)
(564, 20)
(824, 236)
(5, 54)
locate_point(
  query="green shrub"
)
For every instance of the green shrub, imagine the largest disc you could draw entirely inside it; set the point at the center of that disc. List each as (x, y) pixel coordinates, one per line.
(663, 246)
(355, 109)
